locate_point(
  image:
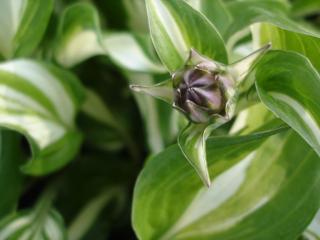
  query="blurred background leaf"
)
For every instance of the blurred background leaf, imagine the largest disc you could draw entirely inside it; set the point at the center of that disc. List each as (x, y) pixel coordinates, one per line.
(11, 178)
(17, 38)
(41, 101)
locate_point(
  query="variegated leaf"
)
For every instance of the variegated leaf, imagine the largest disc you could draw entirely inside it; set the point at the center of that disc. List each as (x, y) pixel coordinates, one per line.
(42, 222)
(41, 101)
(313, 231)
(289, 86)
(80, 37)
(247, 12)
(287, 40)
(22, 24)
(176, 27)
(248, 199)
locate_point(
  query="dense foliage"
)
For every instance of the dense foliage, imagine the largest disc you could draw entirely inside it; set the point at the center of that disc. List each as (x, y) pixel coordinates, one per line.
(160, 119)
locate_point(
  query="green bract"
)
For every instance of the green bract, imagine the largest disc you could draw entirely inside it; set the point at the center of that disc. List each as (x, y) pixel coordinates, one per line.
(208, 93)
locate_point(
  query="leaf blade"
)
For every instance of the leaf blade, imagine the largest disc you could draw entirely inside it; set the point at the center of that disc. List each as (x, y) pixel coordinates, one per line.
(229, 210)
(41, 102)
(176, 28)
(290, 91)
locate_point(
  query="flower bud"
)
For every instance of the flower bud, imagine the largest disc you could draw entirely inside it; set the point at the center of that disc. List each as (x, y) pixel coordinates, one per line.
(199, 93)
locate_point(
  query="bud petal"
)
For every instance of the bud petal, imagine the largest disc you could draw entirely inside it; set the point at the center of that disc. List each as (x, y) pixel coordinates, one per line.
(200, 93)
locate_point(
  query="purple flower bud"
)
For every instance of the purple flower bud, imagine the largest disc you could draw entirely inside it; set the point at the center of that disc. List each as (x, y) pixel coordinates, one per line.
(199, 93)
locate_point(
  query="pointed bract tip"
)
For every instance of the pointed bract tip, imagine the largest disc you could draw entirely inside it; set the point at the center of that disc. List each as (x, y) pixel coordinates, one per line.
(135, 88)
(207, 183)
(269, 45)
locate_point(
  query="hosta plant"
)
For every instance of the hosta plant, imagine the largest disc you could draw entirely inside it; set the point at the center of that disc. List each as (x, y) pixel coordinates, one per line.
(160, 119)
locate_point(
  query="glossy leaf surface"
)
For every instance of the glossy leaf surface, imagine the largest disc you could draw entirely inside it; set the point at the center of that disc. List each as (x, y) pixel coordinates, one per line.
(176, 27)
(288, 85)
(287, 40)
(247, 12)
(248, 198)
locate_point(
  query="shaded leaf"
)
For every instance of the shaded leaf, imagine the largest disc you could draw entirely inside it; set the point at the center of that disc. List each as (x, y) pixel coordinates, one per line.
(304, 7)
(10, 175)
(42, 222)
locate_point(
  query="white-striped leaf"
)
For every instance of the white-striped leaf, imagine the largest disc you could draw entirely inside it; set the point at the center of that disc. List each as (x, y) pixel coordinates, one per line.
(40, 101)
(176, 27)
(132, 52)
(247, 12)
(29, 225)
(289, 85)
(22, 24)
(79, 35)
(313, 231)
(287, 40)
(40, 223)
(79, 38)
(248, 199)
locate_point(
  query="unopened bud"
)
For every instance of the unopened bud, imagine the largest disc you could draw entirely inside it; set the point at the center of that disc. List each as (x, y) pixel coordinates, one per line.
(199, 93)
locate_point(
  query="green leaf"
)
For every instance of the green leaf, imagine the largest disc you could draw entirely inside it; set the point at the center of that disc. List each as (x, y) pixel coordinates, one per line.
(288, 40)
(80, 37)
(288, 85)
(41, 101)
(216, 11)
(248, 199)
(304, 7)
(132, 52)
(90, 213)
(10, 176)
(313, 231)
(42, 222)
(275, 12)
(22, 24)
(176, 27)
